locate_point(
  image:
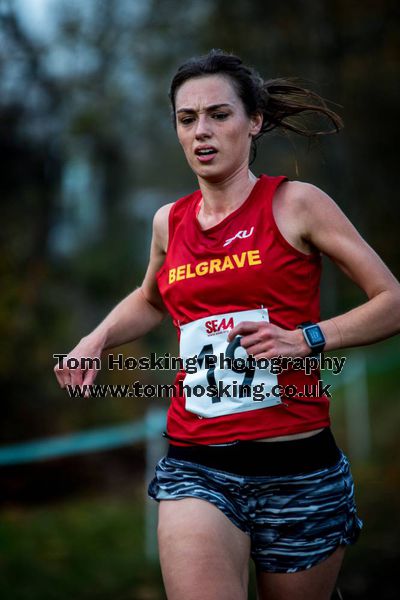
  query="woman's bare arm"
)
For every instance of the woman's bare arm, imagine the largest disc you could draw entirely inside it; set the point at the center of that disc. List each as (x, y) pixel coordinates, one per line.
(133, 317)
(309, 218)
(329, 230)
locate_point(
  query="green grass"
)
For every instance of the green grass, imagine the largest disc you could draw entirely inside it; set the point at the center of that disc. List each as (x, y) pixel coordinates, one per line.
(89, 548)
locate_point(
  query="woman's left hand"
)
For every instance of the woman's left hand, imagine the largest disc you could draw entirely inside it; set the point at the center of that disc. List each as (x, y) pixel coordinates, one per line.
(265, 340)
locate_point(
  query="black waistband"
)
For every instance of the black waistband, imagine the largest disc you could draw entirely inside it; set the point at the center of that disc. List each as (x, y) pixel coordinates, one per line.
(265, 458)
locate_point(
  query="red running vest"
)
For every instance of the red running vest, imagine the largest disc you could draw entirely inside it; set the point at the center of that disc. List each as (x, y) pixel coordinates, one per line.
(241, 263)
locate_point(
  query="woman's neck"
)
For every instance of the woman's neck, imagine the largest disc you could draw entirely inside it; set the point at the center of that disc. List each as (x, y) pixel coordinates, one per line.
(219, 199)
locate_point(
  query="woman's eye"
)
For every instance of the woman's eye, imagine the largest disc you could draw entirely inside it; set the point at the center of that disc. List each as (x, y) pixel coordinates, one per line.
(220, 116)
(186, 120)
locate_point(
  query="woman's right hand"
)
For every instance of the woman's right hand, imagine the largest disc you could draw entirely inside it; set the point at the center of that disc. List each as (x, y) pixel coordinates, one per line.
(82, 370)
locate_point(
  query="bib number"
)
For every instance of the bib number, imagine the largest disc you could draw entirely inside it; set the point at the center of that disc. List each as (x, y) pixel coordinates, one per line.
(224, 381)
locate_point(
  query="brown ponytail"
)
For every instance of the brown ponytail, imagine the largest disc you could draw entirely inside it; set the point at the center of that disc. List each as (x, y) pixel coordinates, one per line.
(284, 98)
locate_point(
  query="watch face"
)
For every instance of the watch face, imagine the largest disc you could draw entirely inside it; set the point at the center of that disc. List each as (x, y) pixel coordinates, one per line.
(314, 335)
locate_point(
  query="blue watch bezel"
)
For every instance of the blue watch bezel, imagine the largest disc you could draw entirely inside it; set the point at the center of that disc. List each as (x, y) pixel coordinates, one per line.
(316, 347)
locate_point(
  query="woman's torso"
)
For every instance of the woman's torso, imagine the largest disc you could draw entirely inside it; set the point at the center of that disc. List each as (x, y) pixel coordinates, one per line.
(254, 265)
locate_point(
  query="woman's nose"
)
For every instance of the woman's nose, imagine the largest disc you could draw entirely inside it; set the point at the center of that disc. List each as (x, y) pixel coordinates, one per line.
(203, 126)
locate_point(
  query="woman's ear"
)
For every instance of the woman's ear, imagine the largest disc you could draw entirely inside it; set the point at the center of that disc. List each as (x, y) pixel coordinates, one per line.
(256, 122)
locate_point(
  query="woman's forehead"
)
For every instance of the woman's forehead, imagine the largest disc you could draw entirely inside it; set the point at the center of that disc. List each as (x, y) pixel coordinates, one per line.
(198, 92)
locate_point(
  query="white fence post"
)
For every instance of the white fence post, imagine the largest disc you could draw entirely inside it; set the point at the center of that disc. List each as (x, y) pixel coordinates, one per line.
(155, 449)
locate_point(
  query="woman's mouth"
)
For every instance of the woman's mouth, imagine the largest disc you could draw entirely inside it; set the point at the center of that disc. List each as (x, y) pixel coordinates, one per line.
(205, 154)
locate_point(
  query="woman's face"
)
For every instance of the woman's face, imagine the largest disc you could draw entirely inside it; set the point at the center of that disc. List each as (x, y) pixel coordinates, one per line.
(213, 127)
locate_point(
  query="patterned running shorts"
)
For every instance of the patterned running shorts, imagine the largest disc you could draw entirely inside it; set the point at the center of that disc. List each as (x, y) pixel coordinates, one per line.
(294, 521)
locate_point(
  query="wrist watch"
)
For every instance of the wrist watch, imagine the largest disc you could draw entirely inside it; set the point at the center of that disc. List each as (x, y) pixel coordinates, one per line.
(313, 336)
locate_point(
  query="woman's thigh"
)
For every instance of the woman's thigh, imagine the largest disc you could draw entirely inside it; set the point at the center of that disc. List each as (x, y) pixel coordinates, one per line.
(316, 583)
(203, 555)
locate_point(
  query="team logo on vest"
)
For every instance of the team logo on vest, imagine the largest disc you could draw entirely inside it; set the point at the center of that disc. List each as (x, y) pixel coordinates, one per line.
(243, 233)
(219, 326)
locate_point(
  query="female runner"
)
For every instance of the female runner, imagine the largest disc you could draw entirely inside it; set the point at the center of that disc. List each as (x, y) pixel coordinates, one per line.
(252, 467)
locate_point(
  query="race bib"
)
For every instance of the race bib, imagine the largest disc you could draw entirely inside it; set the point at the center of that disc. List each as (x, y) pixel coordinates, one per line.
(224, 381)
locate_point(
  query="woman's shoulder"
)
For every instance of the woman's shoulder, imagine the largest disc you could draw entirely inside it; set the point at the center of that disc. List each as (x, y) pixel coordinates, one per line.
(180, 204)
(162, 215)
(160, 225)
(296, 206)
(300, 191)
(166, 215)
(300, 198)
